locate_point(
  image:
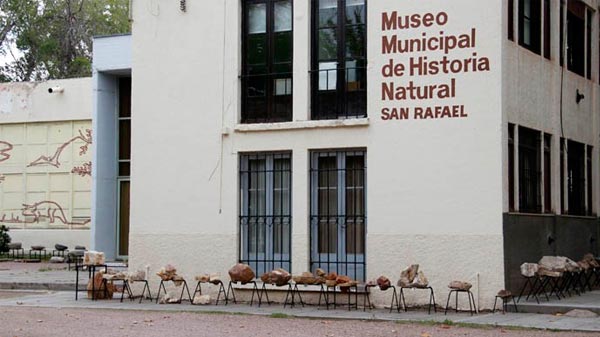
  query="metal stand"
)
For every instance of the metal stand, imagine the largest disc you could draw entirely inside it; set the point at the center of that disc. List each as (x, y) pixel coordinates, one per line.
(39, 253)
(472, 307)
(367, 298)
(198, 289)
(431, 299)
(16, 253)
(292, 292)
(254, 290)
(91, 274)
(505, 302)
(184, 287)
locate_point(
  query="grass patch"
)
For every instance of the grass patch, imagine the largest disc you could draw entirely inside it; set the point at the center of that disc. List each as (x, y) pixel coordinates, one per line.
(279, 315)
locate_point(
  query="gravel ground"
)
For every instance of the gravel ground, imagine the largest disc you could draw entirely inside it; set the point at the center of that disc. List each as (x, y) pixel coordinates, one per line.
(26, 322)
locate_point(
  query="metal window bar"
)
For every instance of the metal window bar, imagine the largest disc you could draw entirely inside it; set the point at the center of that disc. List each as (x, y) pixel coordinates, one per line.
(338, 213)
(332, 103)
(265, 215)
(264, 101)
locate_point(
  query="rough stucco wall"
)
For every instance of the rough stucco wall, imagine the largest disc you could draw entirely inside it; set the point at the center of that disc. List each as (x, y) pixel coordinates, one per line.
(434, 187)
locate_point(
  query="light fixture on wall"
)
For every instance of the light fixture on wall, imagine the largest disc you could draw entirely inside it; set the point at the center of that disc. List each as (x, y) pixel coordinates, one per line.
(56, 90)
(182, 5)
(578, 96)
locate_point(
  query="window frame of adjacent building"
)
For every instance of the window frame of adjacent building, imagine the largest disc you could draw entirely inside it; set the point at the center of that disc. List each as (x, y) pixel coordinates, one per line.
(265, 218)
(529, 155)
(267, 61)
(338, 75)
(577, 53)
(533, 21)
(338, 218)
(576, 192)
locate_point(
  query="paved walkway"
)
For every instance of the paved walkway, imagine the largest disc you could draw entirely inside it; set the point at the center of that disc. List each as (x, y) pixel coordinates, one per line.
(61, 299)
(57, 279)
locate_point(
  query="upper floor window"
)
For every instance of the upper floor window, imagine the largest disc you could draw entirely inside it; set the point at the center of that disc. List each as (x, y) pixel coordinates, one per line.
(534, 25)
(339, 59)
(267, 44)
(530, 19)
(579, 38)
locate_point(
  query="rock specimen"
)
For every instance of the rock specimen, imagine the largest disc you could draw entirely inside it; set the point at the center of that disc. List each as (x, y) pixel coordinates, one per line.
(96, 286)
(278, 277)
(543, 271)
(331, 276)
(93, 258)
(60, 247)
(383, 282)
(80, 248)
(504, 294)
(241, 273)
(320, 272)
(591, 260)
(201, 299)
(172, 296)
(407, 276)
(177, 280)
(554, 263)
(420, 281)
(460, 285)
(305, 278)
(330, 283)
(529, 269)
(38, 248)
(203, 278)
(167, 273)
(139, 275)
(214, 278)
(15, 245)
(57, 259)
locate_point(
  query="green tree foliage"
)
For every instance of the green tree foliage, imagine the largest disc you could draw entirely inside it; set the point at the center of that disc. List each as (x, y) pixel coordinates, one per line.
(53, 38)
(4, 239)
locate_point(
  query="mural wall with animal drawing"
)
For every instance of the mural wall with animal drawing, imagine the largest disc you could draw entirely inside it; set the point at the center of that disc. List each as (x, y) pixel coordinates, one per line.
(45, 175)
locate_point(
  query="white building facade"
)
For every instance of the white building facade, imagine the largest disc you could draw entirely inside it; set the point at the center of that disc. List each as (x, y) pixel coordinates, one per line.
(358, 136)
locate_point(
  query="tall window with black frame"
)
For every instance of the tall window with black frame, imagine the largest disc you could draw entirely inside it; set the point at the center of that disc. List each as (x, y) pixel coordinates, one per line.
(267, 44)
(265, 214)
(530, 171)
(339, 59)
(338, 212)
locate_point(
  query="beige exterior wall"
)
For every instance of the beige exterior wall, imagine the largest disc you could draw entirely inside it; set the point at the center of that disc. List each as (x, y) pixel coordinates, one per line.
(45, 146)
(434, 187)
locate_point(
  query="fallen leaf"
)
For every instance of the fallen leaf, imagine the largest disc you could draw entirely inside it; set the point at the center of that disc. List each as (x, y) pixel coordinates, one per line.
(39, 321)
(147, 320)
(425, 334)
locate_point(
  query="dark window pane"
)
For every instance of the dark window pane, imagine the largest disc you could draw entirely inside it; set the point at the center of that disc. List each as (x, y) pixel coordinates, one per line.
(355, 12)
(125, 97)
(256, 52)
(511, 20)
(283, 47)
(328, 13)
(125, 139)
(327, 44)
(576, 177)
(529, 171)
(355, 42)
(124, 218)
(124, 169)
(576, 37)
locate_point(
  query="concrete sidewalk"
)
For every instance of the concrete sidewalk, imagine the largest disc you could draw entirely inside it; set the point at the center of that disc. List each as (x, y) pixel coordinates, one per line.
(61, 299)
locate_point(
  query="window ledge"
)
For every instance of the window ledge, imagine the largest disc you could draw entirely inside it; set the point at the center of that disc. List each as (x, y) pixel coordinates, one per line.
(303, 125)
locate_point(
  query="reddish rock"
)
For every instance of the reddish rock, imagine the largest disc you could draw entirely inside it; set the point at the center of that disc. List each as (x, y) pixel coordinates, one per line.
(460, 285)
(95, 288)
(331, 276)
(241, 273)
(383, 282)
(342, 279)
(320, 272)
